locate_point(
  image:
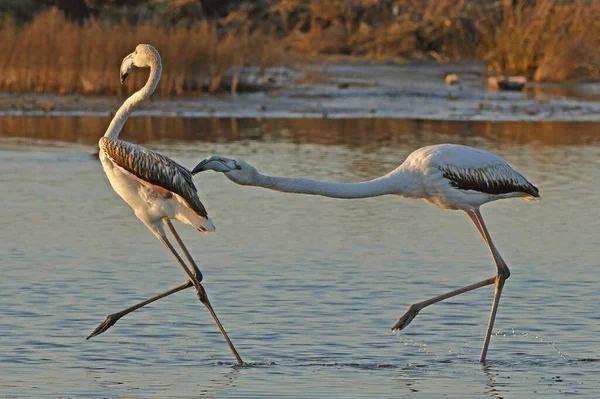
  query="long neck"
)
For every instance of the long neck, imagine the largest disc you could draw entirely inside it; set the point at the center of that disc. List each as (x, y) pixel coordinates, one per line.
(396, 182)
(134, 100)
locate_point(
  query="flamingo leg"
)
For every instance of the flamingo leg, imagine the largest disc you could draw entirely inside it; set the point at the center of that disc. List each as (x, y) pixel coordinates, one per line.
(414, 309)
(498, 280)
(186, 253)
(192, 281)
(201, 292)
(503, 274)
(113, 318)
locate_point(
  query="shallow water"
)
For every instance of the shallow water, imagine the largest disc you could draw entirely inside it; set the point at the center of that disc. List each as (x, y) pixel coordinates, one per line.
(307, 287)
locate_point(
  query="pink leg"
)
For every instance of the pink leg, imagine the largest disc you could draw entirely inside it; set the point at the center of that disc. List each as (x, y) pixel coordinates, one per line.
(113, 318)
(189, 258)
(498, 280)
(503, 274)
(193, 280)
(200, 292)
(414, 309)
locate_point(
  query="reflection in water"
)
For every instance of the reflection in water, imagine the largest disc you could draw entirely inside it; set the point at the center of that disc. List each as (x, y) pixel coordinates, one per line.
(363, 133)
(492, 384)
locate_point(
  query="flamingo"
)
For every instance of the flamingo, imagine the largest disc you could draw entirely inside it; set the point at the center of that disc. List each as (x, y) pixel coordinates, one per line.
(450, 176)
(156, 187)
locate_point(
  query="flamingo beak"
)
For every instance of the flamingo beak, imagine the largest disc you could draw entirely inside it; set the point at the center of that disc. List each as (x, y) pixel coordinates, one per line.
(126, 67)
(217, 164)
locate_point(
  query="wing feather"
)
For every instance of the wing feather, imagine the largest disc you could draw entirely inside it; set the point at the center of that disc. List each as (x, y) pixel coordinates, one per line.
(491, 179)
(154, 168)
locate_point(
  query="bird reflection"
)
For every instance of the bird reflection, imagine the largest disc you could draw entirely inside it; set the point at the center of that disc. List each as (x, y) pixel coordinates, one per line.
(492, 385)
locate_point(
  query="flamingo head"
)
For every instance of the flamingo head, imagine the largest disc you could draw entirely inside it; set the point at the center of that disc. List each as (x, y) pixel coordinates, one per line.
(239, 172)
(143, 56)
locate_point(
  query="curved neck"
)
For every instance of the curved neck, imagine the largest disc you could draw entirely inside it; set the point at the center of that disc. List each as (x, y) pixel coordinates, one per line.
(395, 182)
(134, 100)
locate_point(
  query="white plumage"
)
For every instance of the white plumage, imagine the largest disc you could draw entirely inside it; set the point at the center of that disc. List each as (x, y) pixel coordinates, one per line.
(460, 177)
(447, 175)
(157, 188)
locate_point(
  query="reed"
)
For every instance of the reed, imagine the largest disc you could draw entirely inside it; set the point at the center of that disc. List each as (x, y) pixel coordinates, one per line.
(439, 29)
(543, 39)
(54, 54)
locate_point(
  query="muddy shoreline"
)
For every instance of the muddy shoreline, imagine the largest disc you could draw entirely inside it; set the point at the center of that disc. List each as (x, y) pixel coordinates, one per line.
(415, 91)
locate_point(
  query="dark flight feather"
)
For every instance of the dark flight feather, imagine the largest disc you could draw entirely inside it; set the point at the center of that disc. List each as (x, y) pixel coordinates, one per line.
(492, 179)
(154, 168)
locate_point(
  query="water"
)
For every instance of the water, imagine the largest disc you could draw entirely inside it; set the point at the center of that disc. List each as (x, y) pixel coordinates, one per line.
(307, 287)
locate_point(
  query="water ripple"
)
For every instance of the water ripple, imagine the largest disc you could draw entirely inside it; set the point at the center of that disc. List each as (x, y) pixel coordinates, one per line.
(307, 288)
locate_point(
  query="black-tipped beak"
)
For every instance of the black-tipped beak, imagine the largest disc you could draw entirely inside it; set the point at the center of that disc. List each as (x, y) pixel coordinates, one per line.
(217, 164)
(124, 76)
(126, 66)
(200, 167)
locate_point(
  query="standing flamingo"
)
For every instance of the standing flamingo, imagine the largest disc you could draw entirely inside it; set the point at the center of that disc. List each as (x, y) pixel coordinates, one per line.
(447, 175)
(156, 187)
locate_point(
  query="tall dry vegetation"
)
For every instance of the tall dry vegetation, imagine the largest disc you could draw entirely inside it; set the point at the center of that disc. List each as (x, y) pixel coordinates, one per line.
(380, 29)
(544, 39)
(54, 54)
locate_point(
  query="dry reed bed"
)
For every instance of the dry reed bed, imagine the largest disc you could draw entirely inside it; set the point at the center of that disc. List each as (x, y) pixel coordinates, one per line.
(547, 39)
(543, 39)
(54, 54)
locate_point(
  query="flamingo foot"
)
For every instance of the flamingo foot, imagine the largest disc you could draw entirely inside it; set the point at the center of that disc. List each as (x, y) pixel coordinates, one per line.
(406, 318)
(105, 325)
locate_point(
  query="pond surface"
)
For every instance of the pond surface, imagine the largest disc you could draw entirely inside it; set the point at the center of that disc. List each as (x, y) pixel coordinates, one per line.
(307, 287)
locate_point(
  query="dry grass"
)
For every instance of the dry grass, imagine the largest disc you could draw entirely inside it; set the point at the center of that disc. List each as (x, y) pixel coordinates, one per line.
(53, 54)
(380, 30)
(543, 39)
